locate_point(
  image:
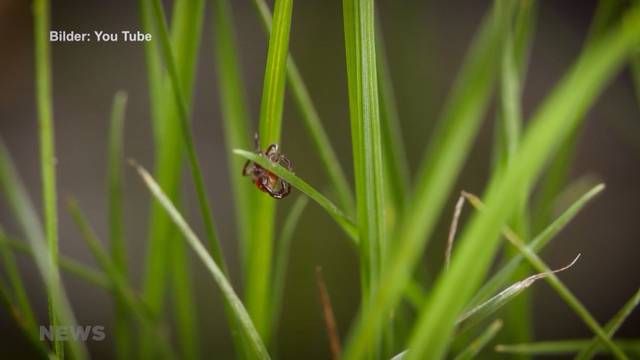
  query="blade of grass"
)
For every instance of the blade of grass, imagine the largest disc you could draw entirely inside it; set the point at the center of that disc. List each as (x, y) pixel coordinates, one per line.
(20, 297)
(69, 265)
(41, 13)
(116, 218)
(540, 241)
(560, 113)
(475, 347)
(29, 333)
(235, 113)
(396, 166)
(553, 280)
(257, 291)
(312, 122)
(478, 344)
(246, 326)
(557, 174)
(444, 158)
(329, 318)
(366, 138)
(26, 216)
(196, 172)
(345, 223)
(282, 256)
(122, 290)
(187, 21)
(562, 347)
(515, 50)
(612, 326)
(186, 316)
(487, 308)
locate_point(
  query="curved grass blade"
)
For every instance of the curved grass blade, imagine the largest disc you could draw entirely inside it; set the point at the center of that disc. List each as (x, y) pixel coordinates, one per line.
(443, 161)
(345, 223)
(478, 344)
(555, 283)
(554, 121)
(26, 216)
(563, 347)
(612, 326)
(502, 276)
(482, 311)
(251, 337)
(312, 122)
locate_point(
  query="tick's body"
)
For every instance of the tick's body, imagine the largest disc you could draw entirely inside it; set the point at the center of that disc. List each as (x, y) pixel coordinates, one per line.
(264, 179)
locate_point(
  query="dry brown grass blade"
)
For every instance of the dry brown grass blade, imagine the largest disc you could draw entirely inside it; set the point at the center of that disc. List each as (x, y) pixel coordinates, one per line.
(329, 318)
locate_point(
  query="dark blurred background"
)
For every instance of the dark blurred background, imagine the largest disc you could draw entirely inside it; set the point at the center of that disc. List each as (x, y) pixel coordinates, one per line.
(426, 41)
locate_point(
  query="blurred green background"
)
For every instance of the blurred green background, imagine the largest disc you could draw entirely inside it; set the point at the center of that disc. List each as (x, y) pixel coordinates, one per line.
(425, 40)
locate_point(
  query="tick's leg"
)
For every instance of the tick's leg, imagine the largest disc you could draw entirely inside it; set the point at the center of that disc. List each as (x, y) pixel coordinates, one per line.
(247, 169)
(272, 152)
(285, 162)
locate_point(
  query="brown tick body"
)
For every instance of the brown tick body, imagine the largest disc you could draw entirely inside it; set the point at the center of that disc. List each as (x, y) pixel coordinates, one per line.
(264, 179)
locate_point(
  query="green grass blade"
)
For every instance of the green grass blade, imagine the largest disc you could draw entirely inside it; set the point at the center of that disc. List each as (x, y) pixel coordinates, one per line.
(186, 31)
(257, 291)
(282, 256)
(69, 265)
(538, 243)
(443, 161)
(478, 344)
(242, 317)
(42, 12)
(563, 347)
(312, 122)
(560, 113)
(116, 218)
(236, 120)
(555, 283)
(184, 304)
(487, 308)
(612, 326)
(366, 138)
(557, 174)
(26, 216)
(168, 127)
(345, 222)
(394, 154)
(15, 281)
(516, 46)
(122, 290)
(29, 333)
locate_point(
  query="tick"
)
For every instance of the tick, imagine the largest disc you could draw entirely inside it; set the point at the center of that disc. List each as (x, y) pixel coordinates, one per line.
(264, 179)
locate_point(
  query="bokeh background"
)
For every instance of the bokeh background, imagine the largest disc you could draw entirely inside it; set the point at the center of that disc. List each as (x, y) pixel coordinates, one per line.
(426, 41)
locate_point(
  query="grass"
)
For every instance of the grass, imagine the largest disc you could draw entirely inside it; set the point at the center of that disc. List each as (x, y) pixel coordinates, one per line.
(389, 220)
(41, 10)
